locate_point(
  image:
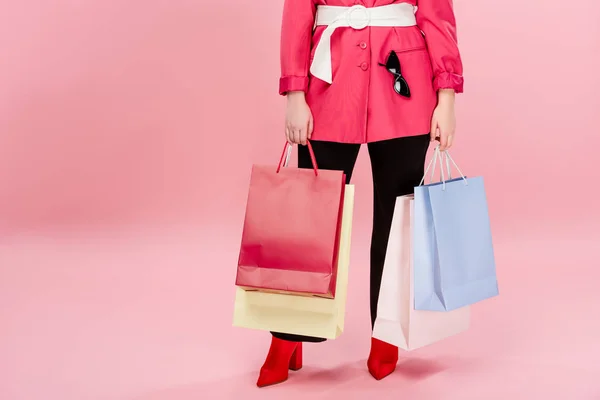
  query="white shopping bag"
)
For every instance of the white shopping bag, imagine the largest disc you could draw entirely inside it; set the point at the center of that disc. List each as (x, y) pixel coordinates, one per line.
(397, 322)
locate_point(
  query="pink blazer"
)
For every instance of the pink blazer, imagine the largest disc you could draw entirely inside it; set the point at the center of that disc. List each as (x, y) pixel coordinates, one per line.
(360, 106)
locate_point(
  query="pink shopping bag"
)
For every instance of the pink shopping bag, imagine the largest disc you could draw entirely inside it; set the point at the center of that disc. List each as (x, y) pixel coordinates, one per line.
(291, 229)
(397, 322)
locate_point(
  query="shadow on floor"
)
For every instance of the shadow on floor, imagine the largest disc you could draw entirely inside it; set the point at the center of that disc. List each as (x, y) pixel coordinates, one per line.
(416, 369)
(349, 380)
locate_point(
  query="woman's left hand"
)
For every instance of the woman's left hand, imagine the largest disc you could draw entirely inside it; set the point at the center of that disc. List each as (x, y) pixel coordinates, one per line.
(443, 121)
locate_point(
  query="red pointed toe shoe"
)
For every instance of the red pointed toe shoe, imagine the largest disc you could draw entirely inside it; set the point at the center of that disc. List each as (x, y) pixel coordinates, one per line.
(283, 356)
(383, 359)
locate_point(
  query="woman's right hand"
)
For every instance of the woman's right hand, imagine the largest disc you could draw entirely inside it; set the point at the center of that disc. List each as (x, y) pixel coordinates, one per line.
(298, 119)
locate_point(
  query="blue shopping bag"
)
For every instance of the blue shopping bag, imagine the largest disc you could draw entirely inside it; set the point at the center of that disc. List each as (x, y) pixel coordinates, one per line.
(454, 263)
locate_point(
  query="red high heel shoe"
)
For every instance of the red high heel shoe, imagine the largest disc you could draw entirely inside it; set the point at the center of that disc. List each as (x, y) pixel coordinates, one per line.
(283, 355)
(383, 359)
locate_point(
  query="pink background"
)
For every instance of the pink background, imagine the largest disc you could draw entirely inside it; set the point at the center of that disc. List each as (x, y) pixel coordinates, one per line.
(127, 132)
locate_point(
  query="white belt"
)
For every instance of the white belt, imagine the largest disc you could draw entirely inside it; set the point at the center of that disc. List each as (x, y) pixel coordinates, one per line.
(356, 17)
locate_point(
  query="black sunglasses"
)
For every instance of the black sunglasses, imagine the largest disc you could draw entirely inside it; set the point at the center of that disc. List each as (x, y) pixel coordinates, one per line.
(393, 66)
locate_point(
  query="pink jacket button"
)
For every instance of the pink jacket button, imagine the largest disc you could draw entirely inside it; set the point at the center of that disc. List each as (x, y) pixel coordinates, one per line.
(364, 66)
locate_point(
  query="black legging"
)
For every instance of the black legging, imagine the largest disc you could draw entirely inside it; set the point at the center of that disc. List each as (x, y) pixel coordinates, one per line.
(397, 166)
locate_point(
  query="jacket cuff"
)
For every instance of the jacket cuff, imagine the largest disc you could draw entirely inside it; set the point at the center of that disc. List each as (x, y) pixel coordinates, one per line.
(293, 84)
(447, 80)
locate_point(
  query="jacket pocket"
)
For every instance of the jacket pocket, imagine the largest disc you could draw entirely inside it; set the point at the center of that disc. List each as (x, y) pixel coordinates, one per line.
(410, 50)
(407, 39)
(416, 68)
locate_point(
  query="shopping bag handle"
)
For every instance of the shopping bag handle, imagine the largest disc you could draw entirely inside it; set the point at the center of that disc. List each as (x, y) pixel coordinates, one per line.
(287, 154)
(440, 154)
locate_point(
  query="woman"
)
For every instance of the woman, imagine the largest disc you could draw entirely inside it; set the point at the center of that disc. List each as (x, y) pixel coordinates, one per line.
(380, 72)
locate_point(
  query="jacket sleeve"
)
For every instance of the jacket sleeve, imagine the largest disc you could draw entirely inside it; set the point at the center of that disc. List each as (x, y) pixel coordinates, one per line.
(436, 20)
(296, 36)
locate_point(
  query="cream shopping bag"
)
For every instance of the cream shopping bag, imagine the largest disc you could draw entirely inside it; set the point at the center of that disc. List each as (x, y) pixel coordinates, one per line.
(301, 315)
(397, 322)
